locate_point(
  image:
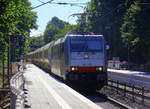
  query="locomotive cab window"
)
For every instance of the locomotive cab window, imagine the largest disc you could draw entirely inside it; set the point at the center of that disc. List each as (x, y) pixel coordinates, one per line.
(94, 46)
(88, 45)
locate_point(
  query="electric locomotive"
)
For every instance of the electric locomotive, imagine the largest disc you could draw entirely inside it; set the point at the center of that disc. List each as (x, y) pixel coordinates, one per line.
(79, 59)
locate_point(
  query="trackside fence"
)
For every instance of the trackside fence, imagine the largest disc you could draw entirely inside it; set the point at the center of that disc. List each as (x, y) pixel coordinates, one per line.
(17, 85)
(135, 85)
(134, 91)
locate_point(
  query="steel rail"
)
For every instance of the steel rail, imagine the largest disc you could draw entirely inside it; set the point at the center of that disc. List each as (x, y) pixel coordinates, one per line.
(121, 105)
(113, 101)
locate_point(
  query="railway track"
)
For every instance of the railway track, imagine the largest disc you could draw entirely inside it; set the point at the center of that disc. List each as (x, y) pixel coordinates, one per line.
(126, 96)
(106, 102)
(113, 101)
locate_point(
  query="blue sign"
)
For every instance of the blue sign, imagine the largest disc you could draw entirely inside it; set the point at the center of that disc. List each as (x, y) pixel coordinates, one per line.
(17, 38)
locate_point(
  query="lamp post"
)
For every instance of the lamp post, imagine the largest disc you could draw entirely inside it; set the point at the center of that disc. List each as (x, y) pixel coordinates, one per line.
(128, 50)
(9, 54)
(108, 28)
(3, 68)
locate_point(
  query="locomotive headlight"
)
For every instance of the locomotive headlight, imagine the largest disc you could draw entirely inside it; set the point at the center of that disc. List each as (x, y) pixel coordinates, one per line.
(74, 68)
(99, 68)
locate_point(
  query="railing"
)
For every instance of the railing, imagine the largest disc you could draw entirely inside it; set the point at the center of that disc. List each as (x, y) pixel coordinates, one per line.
(17, 84)
(135, 84)
(135, 92)
(140, 81)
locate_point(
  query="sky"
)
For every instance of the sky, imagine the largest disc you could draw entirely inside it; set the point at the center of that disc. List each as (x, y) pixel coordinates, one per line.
(63, 12)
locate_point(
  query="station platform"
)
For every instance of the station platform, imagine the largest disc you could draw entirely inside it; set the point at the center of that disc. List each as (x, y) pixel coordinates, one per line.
(131, 78)
(130, 72)
(45, 92)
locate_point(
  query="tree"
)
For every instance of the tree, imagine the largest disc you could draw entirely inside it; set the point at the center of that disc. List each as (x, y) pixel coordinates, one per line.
(36, 42)
(50, 31)
(106, 17)
(135, 31)
(16, 19)
(57, 22)
(53, 27)
(62, 32)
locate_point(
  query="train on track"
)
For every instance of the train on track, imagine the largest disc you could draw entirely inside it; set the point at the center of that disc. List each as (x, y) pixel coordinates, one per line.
(79, 59)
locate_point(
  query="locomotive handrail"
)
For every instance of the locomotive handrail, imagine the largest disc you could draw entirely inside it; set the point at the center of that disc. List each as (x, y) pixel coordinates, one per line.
(16, 85)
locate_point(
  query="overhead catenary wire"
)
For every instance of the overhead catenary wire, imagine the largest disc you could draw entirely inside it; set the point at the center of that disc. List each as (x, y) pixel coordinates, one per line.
(40, 1)
(103, 16)
(79, 4)
(65, 3)
(73, 4)
(60, 3)
(44, 3)
(144, 3)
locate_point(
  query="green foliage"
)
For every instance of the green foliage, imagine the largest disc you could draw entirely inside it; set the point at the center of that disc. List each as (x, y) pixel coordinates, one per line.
(57, 22)
(135, 31)
(50, 31)
(128, 28)
(62, 32)
(56, 28)
(124, 24)
(105, 17)
(16, 18)
(36, 42)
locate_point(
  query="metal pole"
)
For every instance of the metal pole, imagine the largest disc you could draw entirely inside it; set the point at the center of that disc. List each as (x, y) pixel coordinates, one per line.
(11, 55)
(111, 85)
(128, 56)
(14, 53)
(8, 63)
(9, 67)
(142, 95)
(3, 70)
(117, 86)
(125, 90)
(133, 93)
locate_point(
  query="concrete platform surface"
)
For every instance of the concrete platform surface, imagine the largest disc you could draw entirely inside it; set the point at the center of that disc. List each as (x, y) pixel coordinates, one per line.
(45, 92)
